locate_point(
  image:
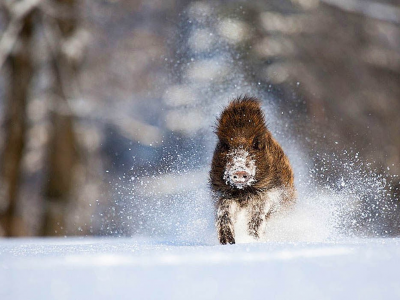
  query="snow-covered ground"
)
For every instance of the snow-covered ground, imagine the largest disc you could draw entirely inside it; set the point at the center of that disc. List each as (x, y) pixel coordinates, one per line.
(134, 268)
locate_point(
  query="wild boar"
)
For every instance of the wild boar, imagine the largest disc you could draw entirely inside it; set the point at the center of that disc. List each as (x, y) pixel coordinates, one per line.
(251, 177)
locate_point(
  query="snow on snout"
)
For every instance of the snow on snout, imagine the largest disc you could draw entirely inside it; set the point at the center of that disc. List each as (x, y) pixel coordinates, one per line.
(239, 160)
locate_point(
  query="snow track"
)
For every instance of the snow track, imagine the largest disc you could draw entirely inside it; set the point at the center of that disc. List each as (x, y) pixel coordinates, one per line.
(150, 269)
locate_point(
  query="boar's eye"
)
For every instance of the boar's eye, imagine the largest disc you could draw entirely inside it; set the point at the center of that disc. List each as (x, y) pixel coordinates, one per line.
(257, 144)
(224, 146)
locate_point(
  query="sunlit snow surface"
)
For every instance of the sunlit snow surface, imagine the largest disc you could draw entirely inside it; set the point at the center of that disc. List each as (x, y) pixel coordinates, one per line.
(152, 269)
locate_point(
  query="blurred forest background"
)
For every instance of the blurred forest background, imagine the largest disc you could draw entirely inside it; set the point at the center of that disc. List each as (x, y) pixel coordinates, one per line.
(107, 106)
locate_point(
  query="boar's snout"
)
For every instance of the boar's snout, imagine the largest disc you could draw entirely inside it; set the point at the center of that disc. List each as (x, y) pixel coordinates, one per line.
(240, 169)
(240, 177)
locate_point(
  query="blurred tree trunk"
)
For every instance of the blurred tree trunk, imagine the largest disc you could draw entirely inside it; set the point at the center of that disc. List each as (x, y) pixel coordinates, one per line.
(21, 70)
(63, 154)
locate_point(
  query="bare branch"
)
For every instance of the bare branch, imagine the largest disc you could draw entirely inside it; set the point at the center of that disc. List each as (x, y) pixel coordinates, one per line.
(57, 10)
(18, 12)
(380, 11)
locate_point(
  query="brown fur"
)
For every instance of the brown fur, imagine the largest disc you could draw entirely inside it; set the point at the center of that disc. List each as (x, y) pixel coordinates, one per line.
(242, 125)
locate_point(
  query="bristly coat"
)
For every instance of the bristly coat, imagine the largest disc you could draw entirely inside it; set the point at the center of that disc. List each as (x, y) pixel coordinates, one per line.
(251, 177)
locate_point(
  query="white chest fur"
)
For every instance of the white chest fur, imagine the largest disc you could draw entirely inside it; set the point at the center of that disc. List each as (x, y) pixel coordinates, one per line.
(241, 217)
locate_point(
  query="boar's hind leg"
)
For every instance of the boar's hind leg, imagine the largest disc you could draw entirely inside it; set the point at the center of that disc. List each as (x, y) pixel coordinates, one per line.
(224, 225)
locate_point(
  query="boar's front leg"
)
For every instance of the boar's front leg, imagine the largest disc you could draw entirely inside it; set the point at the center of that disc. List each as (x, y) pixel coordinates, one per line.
(257, 218)
(224, 224)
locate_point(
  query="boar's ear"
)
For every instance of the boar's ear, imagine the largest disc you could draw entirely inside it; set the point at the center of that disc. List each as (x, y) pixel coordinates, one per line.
(258, 143)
